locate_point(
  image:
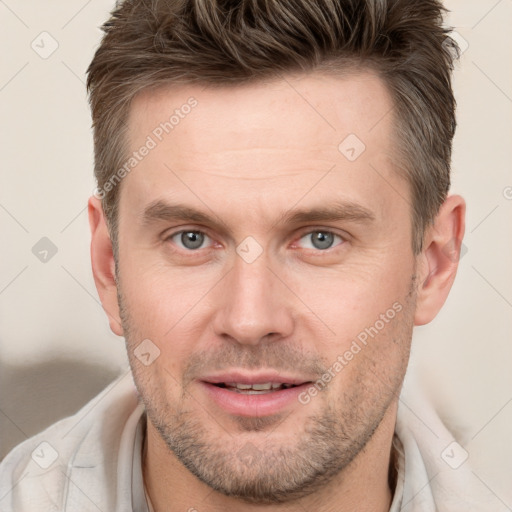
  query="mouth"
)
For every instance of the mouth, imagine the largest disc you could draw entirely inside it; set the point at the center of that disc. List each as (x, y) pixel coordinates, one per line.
(255, 389)
(242, 394)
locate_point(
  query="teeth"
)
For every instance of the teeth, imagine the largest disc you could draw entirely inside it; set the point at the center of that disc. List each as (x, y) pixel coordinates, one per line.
(266, 386)
(262, 387)
(242, 386)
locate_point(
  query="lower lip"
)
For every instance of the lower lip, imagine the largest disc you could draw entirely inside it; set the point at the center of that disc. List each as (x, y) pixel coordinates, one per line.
(264, 404)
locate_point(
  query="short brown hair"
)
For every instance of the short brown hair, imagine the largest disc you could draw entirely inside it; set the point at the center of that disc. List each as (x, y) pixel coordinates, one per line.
(149, 43)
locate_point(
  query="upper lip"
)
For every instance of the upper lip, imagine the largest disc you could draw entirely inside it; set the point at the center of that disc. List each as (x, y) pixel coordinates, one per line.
(241, 377)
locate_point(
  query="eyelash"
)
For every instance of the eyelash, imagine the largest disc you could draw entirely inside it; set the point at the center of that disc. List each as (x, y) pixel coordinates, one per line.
(302, 235)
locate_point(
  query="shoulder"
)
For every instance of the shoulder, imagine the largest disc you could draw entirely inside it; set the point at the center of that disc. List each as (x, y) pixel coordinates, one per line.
(35, 474)
(435, 466)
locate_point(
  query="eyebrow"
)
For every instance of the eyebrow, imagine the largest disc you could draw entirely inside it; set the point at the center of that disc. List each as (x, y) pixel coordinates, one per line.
(159, 210)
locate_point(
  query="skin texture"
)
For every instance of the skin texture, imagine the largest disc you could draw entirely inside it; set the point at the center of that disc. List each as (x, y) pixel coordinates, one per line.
(246, 156)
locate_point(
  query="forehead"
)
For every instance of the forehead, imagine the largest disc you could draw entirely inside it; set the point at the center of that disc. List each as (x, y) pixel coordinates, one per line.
(317, 106)
(274, 141)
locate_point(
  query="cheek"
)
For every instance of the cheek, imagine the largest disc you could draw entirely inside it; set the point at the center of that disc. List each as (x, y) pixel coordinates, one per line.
(160, 323)
(163, 300)
(366, 325)
(370, 366)
(353, 298)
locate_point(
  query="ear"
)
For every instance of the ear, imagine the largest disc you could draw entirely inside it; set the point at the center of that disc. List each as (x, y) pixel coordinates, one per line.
(439, 259)
(103, 264)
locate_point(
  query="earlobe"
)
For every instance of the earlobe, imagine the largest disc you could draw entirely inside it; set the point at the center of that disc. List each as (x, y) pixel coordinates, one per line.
(103, 264)
(439, 260)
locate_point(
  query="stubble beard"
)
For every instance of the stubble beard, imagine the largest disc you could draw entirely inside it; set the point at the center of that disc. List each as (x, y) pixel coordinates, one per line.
(268, 471)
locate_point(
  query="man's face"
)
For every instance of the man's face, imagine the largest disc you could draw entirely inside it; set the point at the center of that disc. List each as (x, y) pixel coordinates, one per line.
(252, 294)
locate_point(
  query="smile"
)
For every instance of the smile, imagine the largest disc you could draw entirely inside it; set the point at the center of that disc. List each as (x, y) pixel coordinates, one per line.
(260, 394)
(255, 389)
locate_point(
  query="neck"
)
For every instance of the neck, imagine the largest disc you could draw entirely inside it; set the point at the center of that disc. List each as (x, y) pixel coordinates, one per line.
(364, 485)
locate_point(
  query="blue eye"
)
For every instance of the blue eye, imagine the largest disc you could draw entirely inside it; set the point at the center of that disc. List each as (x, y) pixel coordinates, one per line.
(190, 239)
(193, 240)
(321, 239)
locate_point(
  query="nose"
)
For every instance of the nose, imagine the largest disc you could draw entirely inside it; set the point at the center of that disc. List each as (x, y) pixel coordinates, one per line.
(253, 304)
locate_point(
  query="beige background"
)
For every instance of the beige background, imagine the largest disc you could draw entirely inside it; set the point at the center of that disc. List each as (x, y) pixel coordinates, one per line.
(56, 349)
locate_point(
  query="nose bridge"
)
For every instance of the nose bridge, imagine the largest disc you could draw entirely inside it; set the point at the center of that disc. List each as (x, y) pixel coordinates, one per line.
(253, 303)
